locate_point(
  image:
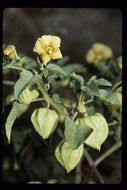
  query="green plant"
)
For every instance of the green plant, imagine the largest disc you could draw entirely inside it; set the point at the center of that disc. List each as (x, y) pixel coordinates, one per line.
(84, 127)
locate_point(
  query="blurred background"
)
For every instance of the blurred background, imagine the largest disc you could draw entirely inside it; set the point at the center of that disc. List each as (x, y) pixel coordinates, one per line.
(28, 157)
(78, 28)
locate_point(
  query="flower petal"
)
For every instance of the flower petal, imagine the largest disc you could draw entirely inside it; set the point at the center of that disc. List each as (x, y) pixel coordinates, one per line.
(46, 40)
(45, 58)
(57, 54)
(56, 41)
(38, 47)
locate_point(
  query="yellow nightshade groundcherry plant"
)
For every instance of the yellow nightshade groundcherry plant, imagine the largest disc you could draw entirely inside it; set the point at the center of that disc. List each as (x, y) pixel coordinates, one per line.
(83, 126)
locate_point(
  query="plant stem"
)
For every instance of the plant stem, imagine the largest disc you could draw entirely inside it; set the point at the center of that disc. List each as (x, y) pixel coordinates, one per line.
(74, 116)
(108, 152)
(93, 167)
(88, 101)
(78, 172)
(89, 158)
(38, 99)
(48, 99)
(113, 123)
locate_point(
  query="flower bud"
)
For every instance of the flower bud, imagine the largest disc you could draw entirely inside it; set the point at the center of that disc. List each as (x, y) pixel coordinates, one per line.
(66, 156)
(44, 121)
(10, 51)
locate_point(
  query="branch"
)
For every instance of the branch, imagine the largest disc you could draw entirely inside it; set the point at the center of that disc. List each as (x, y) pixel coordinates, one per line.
(93, 167)
(108, 152)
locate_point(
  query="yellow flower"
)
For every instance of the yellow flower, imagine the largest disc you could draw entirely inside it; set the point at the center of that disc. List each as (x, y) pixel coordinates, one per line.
(10, 51)
(98, 52)
(48, 48)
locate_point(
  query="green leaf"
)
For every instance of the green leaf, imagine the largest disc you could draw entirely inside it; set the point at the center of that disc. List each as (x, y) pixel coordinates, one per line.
(10, 120)
(13, 62)
(73, 68)
(62, 61)
(76, 134)
(74, 85)
(118, 84)
(52, 78)
(45, 72)
(108, 97)
(28, 62)
(22, 109)
(55, 68)
(103, 82)
(119, 89)
(93, 78)
(66, 156)
(78, 78)
(103, 92)
(21, 84)
(56, 98)
(44, 121)
(90, 110)
(92, 85)
(35, 79)
(100, 130)
(88, 91)
(111, 98)
(66, 102)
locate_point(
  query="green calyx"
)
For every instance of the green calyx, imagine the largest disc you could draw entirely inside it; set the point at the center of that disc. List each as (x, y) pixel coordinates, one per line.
(100, 130)
(44, 121)
(27, 96)
(66, 156)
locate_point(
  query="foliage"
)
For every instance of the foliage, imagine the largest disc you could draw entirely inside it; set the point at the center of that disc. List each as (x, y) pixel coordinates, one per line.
(84, 127)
